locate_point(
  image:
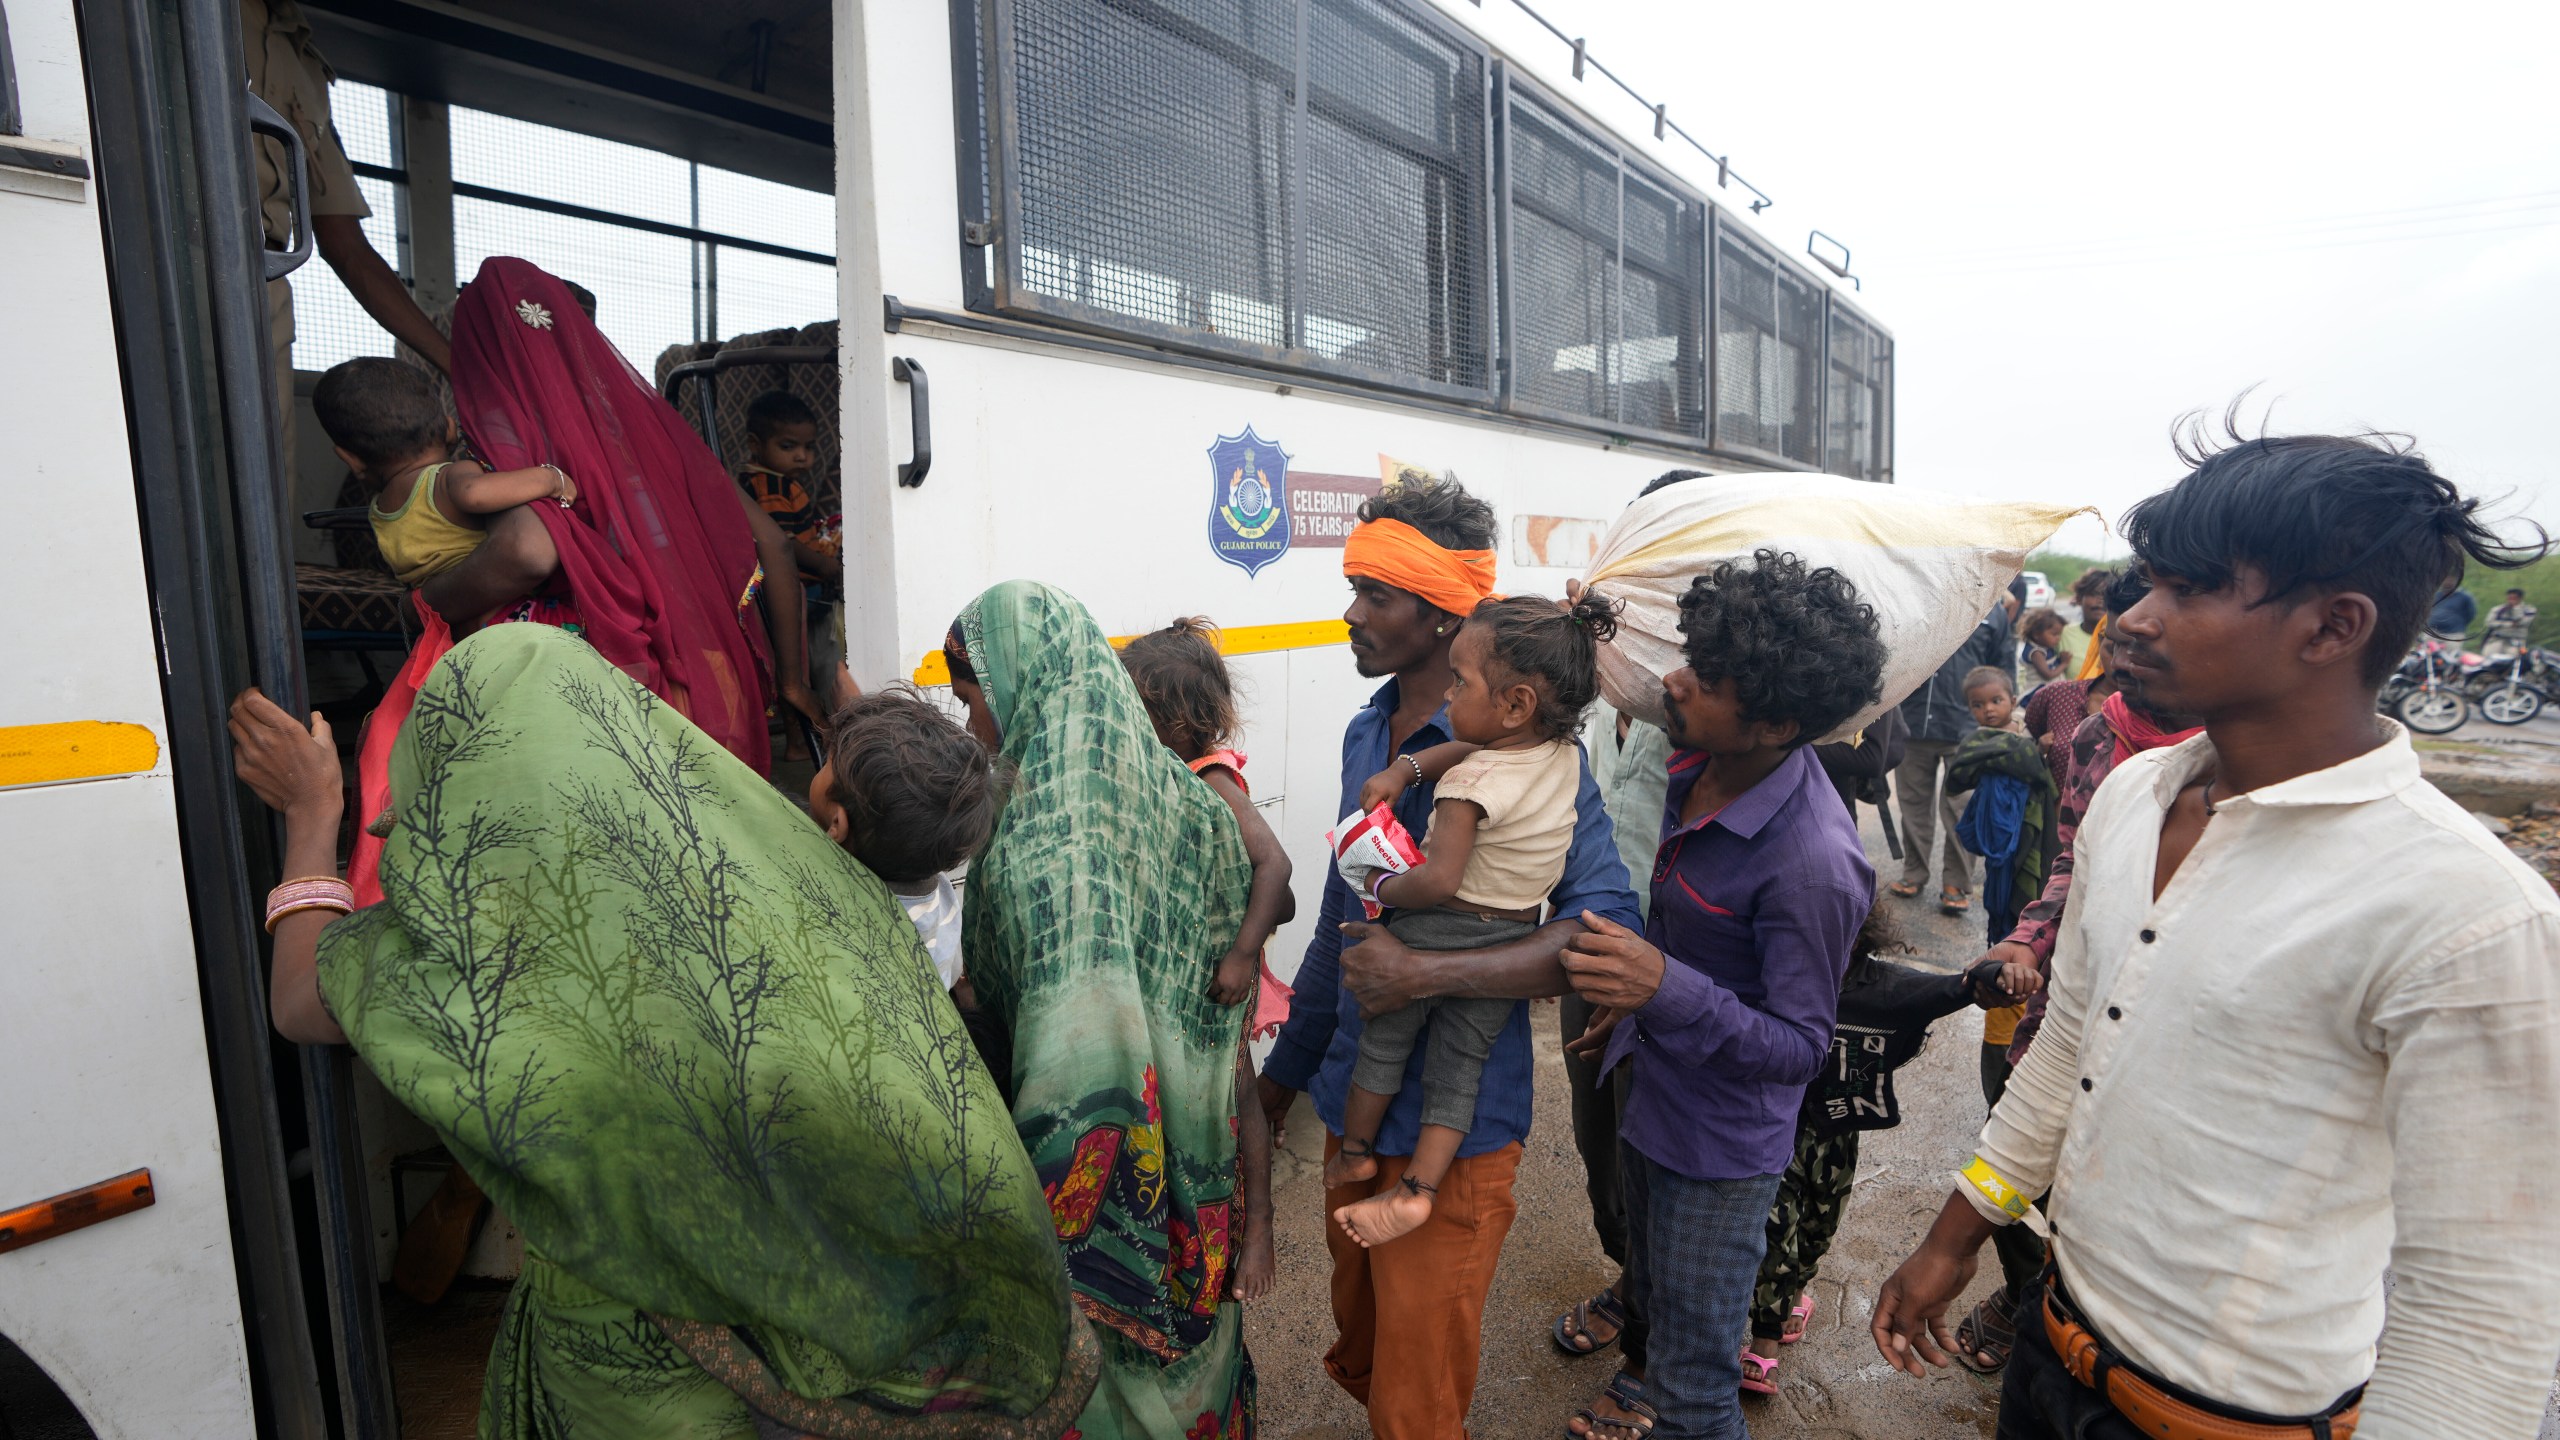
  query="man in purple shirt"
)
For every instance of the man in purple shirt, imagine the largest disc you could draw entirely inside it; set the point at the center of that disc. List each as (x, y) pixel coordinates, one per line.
(1724, 1006)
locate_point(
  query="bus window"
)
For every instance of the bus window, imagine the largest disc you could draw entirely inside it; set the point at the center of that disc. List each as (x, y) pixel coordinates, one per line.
(1854, 399)
(1215, 181)
(1768, 355)
(1604, 279)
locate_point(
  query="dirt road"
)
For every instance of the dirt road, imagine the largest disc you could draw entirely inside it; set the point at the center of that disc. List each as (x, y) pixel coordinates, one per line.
(1833, 1386)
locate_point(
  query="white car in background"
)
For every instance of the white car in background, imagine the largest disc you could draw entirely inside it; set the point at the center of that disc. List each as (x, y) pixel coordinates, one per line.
(2039, 589)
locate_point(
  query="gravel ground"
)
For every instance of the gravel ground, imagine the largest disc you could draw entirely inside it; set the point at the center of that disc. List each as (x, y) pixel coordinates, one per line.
(1833, 1385)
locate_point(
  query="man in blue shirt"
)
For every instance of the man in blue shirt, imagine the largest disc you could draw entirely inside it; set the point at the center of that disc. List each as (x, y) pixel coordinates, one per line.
(1725, 1004)
(1408, 1315)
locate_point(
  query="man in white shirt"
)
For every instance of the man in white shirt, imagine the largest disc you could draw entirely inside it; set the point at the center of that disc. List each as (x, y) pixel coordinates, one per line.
(2305, 1016)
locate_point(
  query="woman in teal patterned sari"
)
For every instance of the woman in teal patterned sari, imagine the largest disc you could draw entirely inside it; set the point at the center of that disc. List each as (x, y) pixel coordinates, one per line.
(699, 1057)
(1113, 882)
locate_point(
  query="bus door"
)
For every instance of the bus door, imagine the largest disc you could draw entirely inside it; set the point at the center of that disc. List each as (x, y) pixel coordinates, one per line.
(225, 1287)
(116, 1264)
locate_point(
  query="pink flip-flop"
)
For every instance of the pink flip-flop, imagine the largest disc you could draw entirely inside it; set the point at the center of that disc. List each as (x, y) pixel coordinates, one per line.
(1759, 1373)
(1802, 1314)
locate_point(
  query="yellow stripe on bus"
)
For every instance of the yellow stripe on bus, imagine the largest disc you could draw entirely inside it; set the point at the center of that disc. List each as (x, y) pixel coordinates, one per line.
(74, 750)
(1242, 640)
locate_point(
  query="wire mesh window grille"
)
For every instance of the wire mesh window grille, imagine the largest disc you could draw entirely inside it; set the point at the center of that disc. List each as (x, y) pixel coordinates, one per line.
(1769, 324)
(328, 325)
(1605, 278)
(1308, 184)
(1283, 178)
(1854, 400)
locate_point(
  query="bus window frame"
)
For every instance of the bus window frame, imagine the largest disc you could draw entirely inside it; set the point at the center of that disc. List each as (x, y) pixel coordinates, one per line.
(984, 134)
(1694, 231)
(996, 137)
(1879, 374)
(1779, 265)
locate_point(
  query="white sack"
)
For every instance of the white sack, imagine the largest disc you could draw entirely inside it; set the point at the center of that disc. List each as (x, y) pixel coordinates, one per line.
(1931, 564)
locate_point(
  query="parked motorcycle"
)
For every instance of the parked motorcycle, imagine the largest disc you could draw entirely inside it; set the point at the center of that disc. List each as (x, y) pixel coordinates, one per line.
(2513, 689)
(2426, 691)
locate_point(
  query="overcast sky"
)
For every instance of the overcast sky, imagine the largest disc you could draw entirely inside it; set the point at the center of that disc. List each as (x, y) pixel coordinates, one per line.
(2080, 222)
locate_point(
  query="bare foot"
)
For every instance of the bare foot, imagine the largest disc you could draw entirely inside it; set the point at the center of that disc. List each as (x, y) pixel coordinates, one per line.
(1255, 1269)
(1384, 1216)
(1348, 1168)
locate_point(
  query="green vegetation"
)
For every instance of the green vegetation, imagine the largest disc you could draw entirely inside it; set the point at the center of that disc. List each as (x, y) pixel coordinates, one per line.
(2539, 581)
(2060, 569)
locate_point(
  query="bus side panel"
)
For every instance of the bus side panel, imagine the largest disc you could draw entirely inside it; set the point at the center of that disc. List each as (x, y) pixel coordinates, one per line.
(1095, 475)
(102, 1040)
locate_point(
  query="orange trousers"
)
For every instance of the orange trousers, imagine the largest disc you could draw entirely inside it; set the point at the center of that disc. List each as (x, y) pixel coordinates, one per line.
(1408, 1316)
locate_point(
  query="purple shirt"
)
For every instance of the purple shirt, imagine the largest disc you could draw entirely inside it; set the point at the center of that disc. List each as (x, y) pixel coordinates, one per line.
(1754, 910)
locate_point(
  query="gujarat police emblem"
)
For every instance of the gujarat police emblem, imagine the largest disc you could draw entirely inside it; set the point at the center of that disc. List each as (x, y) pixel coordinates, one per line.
(1248, 501)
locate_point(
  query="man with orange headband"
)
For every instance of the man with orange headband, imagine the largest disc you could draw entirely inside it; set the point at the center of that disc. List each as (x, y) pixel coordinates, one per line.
(1409, 1314)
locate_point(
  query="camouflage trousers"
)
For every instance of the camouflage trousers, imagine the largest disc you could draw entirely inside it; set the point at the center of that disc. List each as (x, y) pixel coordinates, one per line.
(1811, 1196)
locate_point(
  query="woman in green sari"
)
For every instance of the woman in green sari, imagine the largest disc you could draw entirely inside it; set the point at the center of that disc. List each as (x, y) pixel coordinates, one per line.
(699, 1057)
(1091, 920)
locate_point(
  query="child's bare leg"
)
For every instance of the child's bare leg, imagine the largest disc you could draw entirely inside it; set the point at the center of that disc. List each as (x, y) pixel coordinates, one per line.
(1403, 1207)
(1255, 1261)
(1355, 1160)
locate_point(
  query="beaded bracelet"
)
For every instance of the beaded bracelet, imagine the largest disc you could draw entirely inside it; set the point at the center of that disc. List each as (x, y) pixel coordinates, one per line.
(309, 892)
(1417, 768)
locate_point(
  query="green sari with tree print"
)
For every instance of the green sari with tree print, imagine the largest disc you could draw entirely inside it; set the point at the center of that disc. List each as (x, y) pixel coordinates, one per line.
(698, 1055)
(1091, 922)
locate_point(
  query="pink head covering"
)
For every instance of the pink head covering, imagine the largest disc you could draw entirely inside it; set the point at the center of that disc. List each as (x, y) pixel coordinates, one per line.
(657, 554)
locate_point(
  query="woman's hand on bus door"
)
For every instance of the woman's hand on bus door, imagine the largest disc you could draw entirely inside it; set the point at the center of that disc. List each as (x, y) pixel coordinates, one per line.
(295, 771)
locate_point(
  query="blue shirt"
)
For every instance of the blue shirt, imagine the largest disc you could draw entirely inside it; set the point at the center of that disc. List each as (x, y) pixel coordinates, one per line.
(1316, 1048)
(1754, 909)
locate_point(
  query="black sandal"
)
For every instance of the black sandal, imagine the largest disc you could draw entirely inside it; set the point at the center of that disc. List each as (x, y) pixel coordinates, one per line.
(1637, 1423)
(1991, 1329)
(1606, 1306)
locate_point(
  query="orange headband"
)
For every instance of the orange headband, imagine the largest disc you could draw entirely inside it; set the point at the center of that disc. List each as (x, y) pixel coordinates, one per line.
(1394, 553)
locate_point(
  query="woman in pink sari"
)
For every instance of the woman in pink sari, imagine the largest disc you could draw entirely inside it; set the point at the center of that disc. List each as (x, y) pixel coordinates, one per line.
(657, 564)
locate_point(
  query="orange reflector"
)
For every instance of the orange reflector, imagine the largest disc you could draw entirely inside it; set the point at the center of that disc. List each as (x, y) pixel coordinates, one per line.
(74, 1209)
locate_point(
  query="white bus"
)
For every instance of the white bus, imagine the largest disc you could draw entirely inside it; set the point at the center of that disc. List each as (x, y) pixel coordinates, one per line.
(1140, 297)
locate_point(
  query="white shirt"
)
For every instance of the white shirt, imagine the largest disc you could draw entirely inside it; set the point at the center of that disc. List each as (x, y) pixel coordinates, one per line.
(936, 914)
(2331, 1046)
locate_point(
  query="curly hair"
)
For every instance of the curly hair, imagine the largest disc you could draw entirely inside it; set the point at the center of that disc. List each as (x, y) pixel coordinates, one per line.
(919, 794)
(1557, 651)
(1439, 507)
(1797, 644)
(1183, 682)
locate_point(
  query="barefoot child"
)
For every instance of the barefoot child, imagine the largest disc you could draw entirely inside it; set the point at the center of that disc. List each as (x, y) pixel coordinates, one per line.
(1183, 682)
(429, 510)
(1501, 823)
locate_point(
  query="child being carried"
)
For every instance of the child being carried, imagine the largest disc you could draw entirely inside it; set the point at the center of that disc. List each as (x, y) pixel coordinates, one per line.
(429, 510)
(1502, 822)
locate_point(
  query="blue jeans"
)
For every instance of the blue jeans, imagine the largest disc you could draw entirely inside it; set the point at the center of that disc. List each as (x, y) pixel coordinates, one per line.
(1693, 1255)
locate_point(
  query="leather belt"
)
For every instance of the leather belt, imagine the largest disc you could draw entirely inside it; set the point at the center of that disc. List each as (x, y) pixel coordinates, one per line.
(2153, 1409)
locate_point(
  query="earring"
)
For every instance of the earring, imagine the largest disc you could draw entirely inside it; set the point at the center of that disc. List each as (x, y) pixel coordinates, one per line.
(1439, 629)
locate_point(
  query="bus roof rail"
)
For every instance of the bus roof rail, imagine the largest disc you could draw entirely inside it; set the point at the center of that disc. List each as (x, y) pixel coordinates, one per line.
(1662, 120)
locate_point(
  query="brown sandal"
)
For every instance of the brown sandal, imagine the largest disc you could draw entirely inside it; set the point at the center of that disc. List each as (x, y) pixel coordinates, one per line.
(1954, 902)
(1902, 889)
(1992, 1329)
